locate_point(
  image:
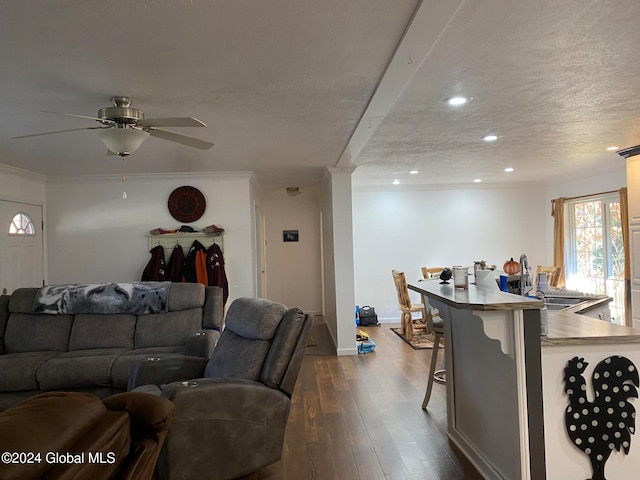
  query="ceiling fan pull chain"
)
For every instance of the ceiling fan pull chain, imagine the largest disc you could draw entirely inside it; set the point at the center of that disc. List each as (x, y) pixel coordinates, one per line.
(122, 178)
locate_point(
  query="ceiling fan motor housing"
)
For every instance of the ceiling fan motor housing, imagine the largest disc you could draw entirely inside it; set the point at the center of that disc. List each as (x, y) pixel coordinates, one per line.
(121, 112)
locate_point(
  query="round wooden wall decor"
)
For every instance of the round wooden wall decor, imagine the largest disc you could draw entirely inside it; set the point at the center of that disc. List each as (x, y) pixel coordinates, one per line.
(187, 204)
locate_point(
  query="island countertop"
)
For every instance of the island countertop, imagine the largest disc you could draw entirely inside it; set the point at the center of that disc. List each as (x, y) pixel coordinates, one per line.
(475, 297)
(568, 328)
(565, 327)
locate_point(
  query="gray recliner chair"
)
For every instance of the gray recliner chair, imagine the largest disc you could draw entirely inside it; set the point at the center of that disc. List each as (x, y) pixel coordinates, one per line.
(232, 411)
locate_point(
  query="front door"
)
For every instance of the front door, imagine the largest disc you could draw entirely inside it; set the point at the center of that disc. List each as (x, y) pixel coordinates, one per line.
(21, 246)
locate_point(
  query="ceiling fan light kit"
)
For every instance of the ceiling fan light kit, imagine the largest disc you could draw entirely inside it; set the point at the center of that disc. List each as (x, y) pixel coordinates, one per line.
(122, 140)
(125, 128)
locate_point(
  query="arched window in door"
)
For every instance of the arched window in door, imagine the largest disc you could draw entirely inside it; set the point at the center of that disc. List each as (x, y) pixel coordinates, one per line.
(22, 225)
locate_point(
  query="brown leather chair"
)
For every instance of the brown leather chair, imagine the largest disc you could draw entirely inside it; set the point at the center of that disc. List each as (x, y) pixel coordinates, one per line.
(71, 435)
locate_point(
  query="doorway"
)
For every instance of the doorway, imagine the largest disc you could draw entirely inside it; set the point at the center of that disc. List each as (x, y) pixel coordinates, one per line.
(293, 252)
(21, 246)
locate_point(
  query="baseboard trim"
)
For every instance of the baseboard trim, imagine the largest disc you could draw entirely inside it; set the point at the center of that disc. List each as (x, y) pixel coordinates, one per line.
(347, 351)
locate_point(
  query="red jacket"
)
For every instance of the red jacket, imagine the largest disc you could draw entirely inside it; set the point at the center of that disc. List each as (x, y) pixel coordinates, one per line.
(155, 271)
(215, 271)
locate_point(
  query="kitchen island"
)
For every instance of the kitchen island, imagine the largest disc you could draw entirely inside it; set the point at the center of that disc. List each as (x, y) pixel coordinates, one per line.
(505, 383)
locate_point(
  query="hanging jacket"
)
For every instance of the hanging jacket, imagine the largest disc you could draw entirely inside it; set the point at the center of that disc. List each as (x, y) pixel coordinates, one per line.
(215, 271)
(194, 265)
(155, 271)
(201, 267)
(175, 268)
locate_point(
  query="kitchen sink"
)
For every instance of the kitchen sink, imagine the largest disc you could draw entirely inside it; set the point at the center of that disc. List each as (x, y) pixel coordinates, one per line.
(596, 306)
(557, 306)
(565, 300)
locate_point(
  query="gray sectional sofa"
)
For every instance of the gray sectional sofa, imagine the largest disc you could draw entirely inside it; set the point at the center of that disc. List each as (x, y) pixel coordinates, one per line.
(93, 352)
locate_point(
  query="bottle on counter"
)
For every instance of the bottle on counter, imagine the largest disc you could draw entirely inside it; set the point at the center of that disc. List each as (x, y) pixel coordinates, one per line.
(544, 321)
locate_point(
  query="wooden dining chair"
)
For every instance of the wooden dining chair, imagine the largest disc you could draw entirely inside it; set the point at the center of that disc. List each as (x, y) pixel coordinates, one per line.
(553, 274)
(431, 272)
(407, 308)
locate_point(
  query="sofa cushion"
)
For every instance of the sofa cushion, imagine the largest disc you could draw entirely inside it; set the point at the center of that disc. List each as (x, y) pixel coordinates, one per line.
(8, 399)
(77, 369)
(172, 328)
(22, 300)
(4, 316)
(27, 332)
(237, 357)
(122, 365)
(254, 318)
(102, 331)
(213, 309)
(281, 351)
(251, 324)
(18, 370)
(184, 296)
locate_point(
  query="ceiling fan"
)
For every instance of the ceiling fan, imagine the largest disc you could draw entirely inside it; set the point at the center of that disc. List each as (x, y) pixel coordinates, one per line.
(124, 128)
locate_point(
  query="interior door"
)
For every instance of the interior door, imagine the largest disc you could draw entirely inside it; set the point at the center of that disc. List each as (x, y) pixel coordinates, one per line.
(260, 253)
(21, 249)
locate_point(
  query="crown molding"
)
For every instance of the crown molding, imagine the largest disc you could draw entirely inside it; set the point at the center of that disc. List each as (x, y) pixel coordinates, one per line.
(147, 177)
(28, 174)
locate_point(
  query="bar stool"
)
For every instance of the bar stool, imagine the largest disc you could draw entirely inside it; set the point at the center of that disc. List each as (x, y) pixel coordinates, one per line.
(436, 325)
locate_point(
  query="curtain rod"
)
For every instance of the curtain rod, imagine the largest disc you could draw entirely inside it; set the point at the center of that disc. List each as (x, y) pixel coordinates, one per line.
(590, 195)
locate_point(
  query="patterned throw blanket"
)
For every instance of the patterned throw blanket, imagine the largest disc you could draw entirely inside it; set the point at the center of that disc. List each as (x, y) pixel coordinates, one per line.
(105, 298)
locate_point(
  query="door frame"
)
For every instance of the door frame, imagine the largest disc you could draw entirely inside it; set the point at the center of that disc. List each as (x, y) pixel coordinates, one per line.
(43, 207)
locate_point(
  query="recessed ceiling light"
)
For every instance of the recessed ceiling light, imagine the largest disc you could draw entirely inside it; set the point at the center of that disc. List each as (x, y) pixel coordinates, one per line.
(612, 148)
(490, 138)
(414, 172)
(457, 101)
(396, 182)
(509, 169)
(477, 180)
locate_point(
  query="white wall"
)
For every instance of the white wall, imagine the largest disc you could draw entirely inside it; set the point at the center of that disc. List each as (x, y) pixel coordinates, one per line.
(407, 228)
(19, 185)
(95, 235)
(293, 269)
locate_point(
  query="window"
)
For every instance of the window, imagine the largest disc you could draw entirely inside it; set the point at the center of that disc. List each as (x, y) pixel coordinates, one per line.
(22, 225)
(595, 250)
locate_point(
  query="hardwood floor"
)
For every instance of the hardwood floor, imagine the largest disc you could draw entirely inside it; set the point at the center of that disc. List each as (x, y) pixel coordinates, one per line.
(359, 417)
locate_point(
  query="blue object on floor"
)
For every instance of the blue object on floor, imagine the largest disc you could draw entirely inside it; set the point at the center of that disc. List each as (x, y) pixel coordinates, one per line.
(366, 346)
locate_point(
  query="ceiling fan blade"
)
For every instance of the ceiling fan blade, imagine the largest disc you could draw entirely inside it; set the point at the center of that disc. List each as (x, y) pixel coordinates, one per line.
(102, 120)
(171, 122)
(183, 139)
(55, 131)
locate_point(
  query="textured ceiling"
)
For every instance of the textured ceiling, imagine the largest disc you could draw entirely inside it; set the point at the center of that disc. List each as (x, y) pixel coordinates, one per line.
(290, 87)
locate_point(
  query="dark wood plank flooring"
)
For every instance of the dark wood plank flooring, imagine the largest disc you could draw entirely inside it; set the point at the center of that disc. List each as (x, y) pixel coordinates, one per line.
(359, 417)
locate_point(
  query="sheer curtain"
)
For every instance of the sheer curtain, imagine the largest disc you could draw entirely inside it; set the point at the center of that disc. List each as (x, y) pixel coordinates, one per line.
(557, 212)
(624, 220)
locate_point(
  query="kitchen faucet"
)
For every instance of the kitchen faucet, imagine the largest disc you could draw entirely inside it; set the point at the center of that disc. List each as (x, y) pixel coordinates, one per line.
(525, 277)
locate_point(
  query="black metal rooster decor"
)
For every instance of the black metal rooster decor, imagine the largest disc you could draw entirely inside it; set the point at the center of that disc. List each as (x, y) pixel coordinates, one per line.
(607, 423)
